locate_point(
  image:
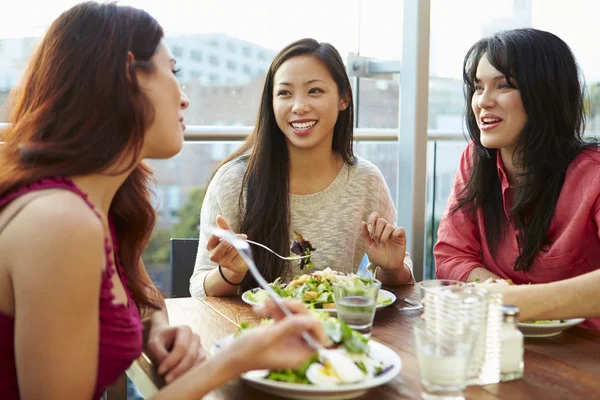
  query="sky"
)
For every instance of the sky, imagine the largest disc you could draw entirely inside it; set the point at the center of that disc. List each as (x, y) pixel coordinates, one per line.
(372, 28)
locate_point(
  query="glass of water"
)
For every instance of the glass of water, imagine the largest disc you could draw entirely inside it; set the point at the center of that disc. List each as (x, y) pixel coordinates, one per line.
(356, 304)
(436, 285)
(443, 361)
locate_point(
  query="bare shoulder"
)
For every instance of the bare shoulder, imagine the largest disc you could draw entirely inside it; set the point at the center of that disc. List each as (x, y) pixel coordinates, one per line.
(60, 225)
(61, 212)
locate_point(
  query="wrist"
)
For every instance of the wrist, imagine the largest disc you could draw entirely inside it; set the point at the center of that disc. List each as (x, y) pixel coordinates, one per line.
(232, 278)
(235, 361)
(393, 277)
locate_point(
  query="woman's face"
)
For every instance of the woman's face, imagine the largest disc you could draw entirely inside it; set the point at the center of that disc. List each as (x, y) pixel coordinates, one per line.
(306, 102)
(164, 138)
(498, 108)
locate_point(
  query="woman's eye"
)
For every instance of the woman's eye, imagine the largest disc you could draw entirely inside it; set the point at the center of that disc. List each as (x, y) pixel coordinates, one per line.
(315, 90)
(176, 71)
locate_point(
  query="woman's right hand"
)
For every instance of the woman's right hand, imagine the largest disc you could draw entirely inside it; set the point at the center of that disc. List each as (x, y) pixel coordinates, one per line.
(278, 345)
(223, 253)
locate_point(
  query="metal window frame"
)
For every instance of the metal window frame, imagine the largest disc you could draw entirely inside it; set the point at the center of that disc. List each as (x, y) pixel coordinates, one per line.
(412, 143)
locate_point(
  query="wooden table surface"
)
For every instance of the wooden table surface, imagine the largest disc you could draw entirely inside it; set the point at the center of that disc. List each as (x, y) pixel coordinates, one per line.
(566, 366)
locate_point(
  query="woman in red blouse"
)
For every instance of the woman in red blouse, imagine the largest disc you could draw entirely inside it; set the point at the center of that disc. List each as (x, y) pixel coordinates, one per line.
(526, 199)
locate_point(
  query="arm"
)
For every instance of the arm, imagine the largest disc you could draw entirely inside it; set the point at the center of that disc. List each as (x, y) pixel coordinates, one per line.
(385, 244)
(232, 266)
(174, 349)
(569, 298)
(221, 199)
(257, 348)
(458, 249)
(57, 291)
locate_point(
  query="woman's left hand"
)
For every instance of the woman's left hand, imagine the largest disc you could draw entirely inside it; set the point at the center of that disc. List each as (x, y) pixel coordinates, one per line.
(174, 349)
(385, 244)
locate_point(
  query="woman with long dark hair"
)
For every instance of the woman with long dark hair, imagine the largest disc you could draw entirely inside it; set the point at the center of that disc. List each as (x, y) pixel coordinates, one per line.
(99, 95)
(297, 172)
(526, 199)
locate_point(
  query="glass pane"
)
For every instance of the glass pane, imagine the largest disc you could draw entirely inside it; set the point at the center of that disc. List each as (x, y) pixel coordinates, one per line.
(445, 157)
(576, 24)
(449, 42)
(180, 185)
(380, 38)
(223, 55)
(378, 102)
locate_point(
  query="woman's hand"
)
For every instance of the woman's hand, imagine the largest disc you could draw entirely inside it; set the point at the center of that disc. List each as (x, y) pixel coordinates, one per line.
(278, 345)
(223, 253)
(385, 244)
(174, 350)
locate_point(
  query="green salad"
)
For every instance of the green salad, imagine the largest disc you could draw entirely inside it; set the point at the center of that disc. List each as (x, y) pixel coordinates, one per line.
(546, 322)
(315, 289)
(343, 339)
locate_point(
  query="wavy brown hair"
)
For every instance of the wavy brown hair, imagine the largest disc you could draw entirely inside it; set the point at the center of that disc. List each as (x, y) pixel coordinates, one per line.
(79, 110)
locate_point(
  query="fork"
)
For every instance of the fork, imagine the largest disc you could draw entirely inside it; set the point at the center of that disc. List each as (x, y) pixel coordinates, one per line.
(289, 258)
(344, 366)
(212, 229)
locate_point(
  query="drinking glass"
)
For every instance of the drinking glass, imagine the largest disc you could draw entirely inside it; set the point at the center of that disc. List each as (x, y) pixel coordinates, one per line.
(436, 284)
(356, 304)
(443, 361)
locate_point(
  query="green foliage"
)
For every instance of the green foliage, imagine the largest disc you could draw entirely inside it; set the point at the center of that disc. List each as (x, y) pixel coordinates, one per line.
(592, 105)
(159, 248)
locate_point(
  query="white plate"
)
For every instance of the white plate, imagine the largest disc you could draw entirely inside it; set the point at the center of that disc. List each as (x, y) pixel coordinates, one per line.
(386, 294)
(547, 330)
(302, 391)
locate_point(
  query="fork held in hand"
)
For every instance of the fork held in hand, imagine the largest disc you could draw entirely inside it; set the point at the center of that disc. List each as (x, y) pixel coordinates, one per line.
(290, 258)
(245, 252)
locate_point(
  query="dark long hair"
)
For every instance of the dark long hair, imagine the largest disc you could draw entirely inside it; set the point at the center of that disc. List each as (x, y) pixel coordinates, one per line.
(76, 112)
(551, 86)
(265, 187)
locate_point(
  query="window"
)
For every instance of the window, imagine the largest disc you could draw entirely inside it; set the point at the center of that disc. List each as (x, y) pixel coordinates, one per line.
(173, 200)
(247, 69)
(213, 60)
(231, 47)
(246, 51)
(196, 55)
(231, 65)
(177, 51)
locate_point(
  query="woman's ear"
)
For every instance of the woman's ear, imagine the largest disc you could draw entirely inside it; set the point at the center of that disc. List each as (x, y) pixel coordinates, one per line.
(344, 101)
(130, 60)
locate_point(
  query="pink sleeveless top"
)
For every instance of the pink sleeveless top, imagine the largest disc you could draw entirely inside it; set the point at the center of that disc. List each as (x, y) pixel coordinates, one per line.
(120, 325)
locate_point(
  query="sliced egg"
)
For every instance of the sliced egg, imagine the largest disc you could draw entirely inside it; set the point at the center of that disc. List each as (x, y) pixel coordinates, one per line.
(323, 375)
(344, 367)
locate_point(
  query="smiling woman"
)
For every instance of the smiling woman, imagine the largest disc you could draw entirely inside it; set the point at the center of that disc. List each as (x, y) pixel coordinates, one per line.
(526, 200)
(297, 172)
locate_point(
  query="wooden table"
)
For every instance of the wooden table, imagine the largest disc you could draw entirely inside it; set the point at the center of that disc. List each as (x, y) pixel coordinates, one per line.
(566, 366)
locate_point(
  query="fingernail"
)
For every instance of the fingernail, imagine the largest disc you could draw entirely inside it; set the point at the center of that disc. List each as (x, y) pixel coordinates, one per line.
(169, 378)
